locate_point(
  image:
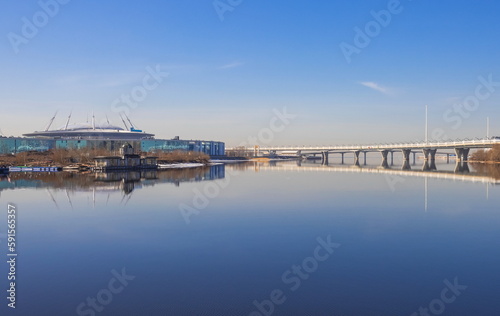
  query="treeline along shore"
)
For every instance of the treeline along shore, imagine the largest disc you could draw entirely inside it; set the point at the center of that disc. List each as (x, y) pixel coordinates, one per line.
(68, 157)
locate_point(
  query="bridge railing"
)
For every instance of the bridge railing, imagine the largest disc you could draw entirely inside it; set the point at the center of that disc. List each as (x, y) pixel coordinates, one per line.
(478, 143)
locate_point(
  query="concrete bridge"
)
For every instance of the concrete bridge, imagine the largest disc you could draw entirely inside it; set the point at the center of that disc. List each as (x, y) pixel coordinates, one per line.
(429, 149)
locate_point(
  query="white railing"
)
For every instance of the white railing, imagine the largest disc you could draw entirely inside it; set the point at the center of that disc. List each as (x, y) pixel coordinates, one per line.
(479, 143)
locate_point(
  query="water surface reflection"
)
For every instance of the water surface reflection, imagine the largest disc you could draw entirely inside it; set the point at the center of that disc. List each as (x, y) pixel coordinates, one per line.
(255, 223)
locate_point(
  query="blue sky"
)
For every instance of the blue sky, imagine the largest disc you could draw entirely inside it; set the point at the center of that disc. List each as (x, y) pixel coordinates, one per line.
(227, 77)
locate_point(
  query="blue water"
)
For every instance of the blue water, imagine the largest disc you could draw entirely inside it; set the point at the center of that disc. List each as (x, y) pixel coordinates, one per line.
(397, 242)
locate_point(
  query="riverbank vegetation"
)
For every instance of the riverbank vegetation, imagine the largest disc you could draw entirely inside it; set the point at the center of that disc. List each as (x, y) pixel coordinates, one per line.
(182, 157)
(54, 157)
(491, 155)
(65, 157)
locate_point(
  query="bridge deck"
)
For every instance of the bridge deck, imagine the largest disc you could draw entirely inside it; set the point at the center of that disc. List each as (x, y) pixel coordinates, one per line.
(480, 143)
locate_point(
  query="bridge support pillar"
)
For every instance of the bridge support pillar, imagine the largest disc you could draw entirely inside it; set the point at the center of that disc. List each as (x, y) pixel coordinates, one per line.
(426, 166)
(466, 154)
(384, 164)
(462, 167)
(432, 153)
(406, 165)
(406, 159)
(426, 154)
(342, 161)
(392, 158)
(356, 157)
(364, 161)
(414, 157)
(429, 154)
(460, 153)
(433, 164)
(429, 165)
(384, 153)
(324, 157)
(406, 154)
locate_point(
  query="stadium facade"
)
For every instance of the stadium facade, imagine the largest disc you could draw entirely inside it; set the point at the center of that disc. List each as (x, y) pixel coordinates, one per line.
(103, 136)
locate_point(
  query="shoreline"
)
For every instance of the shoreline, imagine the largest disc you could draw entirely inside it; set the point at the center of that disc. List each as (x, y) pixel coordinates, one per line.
(484, 162)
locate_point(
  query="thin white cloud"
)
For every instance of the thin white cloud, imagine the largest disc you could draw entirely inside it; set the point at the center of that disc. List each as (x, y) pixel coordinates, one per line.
(232, 65)
(375, 86)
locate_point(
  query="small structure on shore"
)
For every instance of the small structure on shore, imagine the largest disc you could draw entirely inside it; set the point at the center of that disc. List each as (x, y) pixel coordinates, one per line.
(34, 169)
(127, 160)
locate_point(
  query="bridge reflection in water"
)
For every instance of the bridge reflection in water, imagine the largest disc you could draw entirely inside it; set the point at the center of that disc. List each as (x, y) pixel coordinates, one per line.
(461, 172)
(485, 174)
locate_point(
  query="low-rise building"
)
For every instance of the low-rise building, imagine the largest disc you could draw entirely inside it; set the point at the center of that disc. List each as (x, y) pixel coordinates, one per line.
(127, 160)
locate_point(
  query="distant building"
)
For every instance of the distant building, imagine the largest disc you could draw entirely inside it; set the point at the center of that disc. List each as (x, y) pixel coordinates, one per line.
(103, 136)
(87, 131)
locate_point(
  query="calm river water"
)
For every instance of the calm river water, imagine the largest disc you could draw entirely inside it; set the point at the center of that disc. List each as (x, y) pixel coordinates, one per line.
(256, 239)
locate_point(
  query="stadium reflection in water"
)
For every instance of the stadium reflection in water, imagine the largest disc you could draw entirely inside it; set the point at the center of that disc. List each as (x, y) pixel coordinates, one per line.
(126, 182)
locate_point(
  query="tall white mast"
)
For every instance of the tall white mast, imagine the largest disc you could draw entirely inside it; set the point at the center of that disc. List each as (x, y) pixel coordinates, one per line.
(426, 124)
(488, 127)
(67, 122)
(131, 125)
(126, 127)
(93, 120)
(51, 121)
